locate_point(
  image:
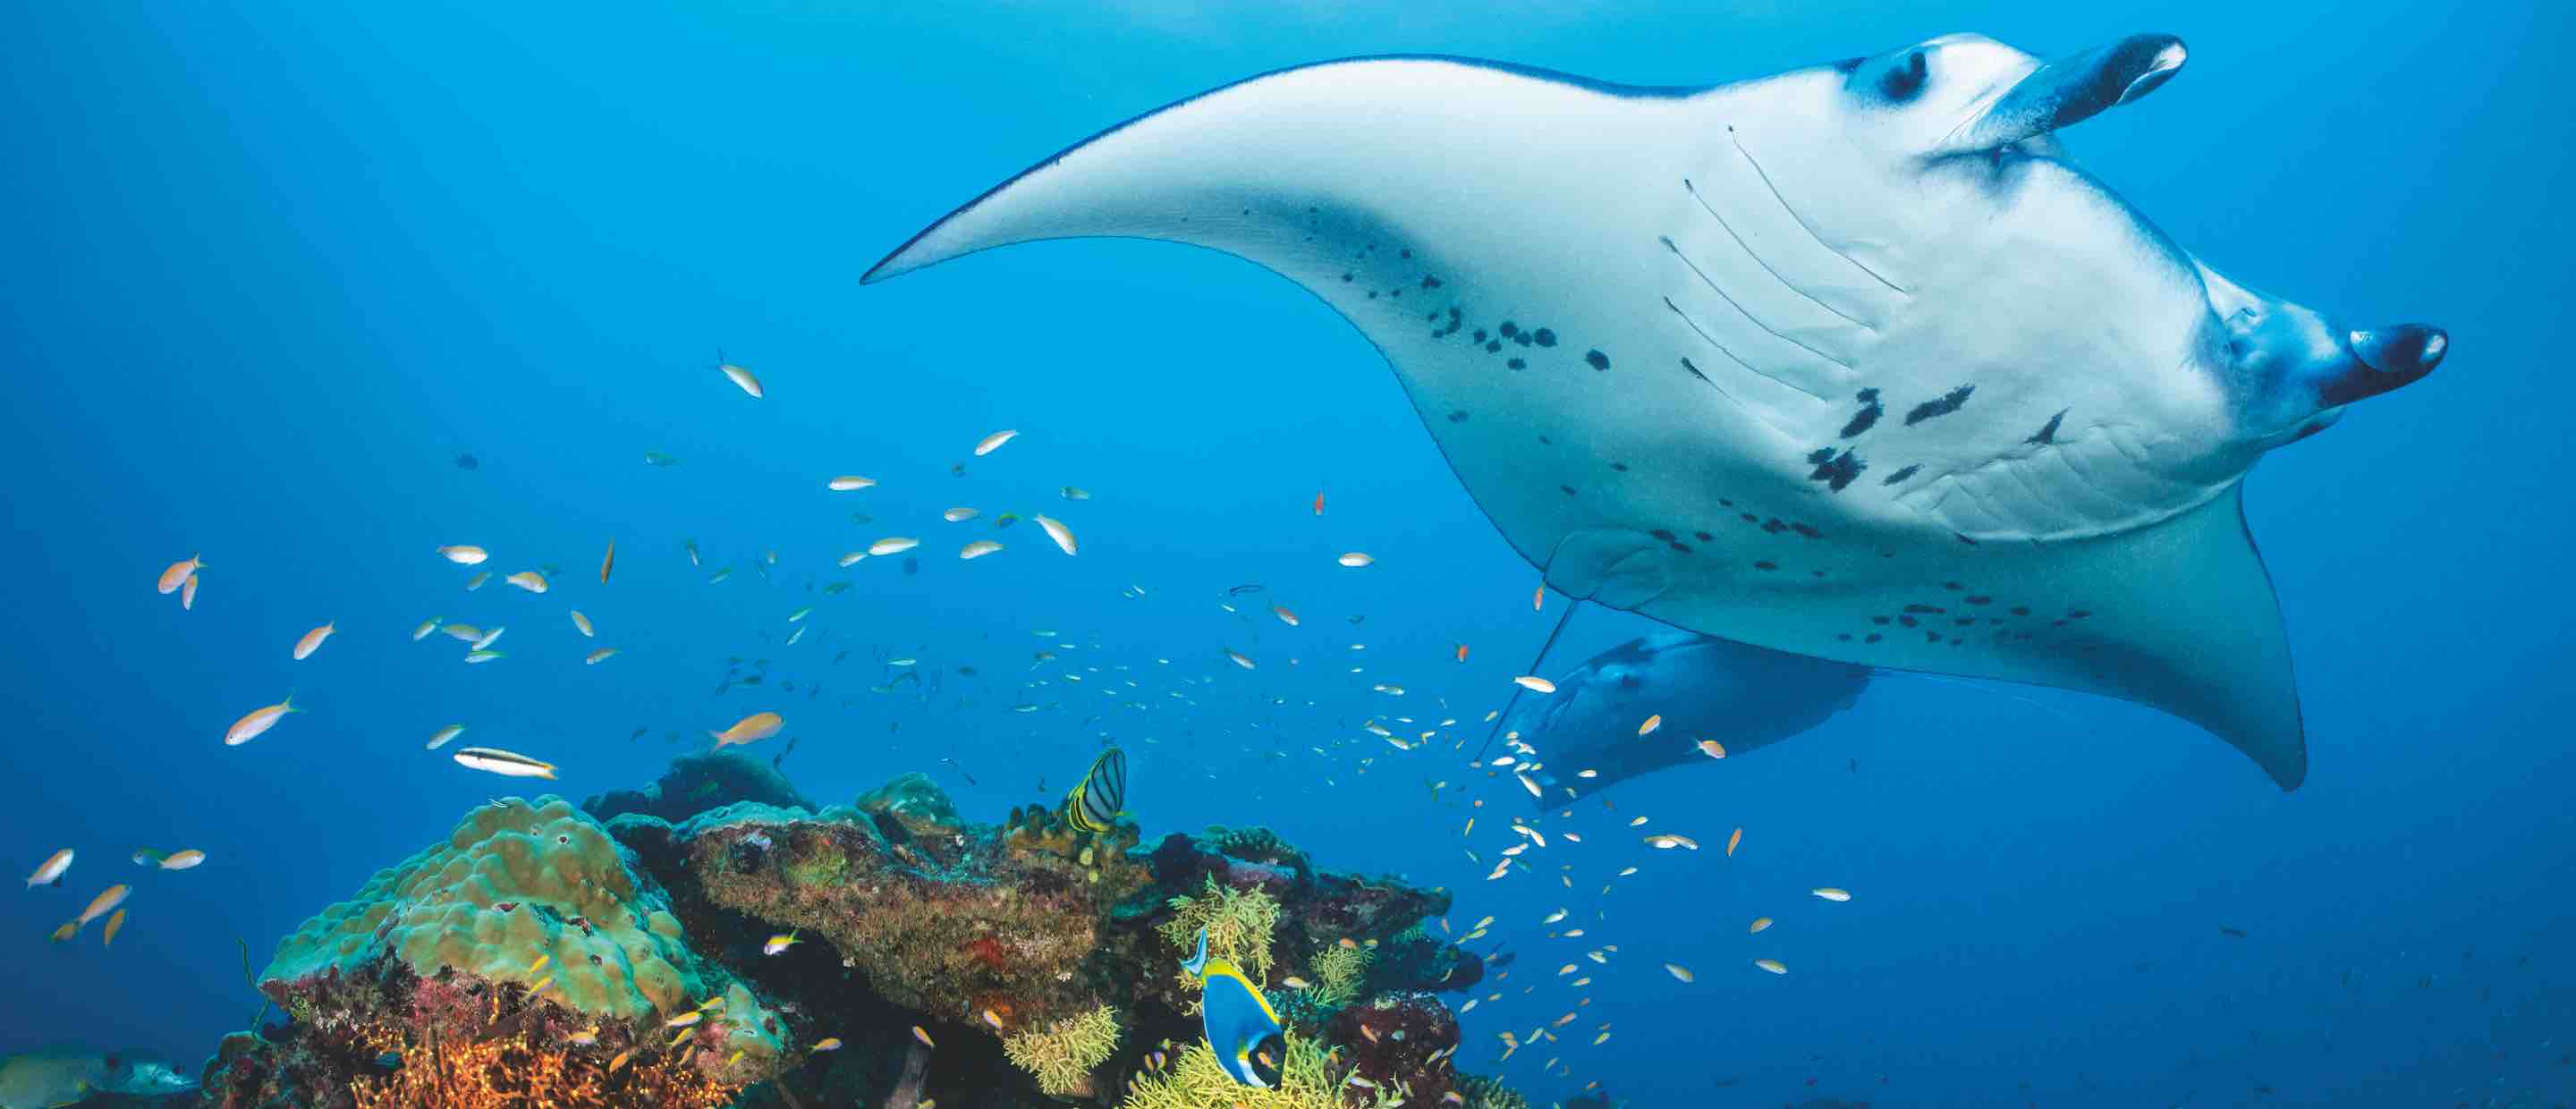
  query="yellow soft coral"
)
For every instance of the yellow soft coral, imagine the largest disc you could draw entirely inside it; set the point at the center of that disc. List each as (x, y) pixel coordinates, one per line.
(1238, 923)
(1062, 1054)
(1339, 972)
(1197, 1081)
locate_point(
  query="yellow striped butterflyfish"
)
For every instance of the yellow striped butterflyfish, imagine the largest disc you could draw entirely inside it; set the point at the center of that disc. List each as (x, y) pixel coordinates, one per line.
(1094, 804)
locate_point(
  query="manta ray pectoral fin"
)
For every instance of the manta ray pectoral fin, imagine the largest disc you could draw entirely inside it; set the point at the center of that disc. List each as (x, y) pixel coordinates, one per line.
(2215, 650)
(2067, 91)
(2179, 616)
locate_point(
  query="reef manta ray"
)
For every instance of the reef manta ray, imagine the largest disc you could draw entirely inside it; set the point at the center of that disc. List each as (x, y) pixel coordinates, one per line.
(1849, 361)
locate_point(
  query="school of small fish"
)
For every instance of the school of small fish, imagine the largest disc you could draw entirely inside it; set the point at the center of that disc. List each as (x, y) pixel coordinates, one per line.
(1052, 685)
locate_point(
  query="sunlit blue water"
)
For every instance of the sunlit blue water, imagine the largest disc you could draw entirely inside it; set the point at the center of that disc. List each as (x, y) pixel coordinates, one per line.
(270, 270)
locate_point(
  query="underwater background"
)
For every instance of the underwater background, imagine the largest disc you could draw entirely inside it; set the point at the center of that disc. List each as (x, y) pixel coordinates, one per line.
(274, 269)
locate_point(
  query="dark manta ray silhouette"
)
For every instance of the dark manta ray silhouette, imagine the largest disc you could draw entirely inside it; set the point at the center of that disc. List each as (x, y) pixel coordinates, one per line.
(1744, 697)
(1852, 360)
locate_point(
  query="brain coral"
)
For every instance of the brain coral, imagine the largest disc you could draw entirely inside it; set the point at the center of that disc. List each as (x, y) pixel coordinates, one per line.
(515, 881)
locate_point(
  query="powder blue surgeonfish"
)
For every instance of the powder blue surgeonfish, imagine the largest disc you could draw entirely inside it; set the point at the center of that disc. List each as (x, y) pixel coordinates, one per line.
(1233, 1014)
(1852, 361)
(1704, 688)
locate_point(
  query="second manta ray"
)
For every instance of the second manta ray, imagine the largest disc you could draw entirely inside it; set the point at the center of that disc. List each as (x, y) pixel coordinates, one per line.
(1851, 361)
(1694, 687)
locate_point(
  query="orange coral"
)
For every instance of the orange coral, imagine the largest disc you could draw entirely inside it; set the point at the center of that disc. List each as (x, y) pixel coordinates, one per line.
(490, 1074)
(988, 951)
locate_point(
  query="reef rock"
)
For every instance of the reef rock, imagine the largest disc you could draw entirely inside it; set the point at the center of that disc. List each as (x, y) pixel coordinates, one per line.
(68, 1076)
(698, 782)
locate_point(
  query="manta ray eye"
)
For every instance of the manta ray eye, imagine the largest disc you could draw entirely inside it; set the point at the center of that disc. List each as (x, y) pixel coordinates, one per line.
(1889, 79)
(1904, 79)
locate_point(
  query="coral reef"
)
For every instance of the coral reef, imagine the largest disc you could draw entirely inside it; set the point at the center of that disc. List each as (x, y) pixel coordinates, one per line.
(698, 782)
(1062, 1054)
(528, 932)
(541, 957)
(1399, 1042)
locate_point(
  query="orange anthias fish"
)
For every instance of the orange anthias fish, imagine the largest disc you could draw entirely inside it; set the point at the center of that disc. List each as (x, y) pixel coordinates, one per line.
(1319, 504)
(750, 729)
(179, 572)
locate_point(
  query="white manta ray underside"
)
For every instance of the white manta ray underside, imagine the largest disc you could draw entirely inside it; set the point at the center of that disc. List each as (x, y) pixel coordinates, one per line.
(1850, 361)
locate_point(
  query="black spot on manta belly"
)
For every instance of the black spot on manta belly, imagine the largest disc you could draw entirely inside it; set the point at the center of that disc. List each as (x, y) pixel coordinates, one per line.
(1868, 415)
(2048, 434)
(1836, 470)
(1458, 417)
(1901, 475)
(1598, 360)
(1545, 337)
(1948, 403)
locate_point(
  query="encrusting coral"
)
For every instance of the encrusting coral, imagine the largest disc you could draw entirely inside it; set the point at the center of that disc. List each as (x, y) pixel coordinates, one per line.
(515, 1071)
(1062, 1054)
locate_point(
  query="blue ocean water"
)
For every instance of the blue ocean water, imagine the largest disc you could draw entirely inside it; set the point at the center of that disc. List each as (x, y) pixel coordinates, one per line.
(274, 268)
